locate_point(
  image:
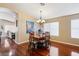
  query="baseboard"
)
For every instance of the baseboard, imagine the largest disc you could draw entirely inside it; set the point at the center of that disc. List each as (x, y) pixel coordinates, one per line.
(65, 43)
(20, 42)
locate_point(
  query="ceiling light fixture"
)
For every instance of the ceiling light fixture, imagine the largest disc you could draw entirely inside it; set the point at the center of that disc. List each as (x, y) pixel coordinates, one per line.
(41, 21)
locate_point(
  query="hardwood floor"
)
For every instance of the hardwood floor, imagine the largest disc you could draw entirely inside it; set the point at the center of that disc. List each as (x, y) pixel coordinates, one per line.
(22, 50)
(10, 48)
(66, 49)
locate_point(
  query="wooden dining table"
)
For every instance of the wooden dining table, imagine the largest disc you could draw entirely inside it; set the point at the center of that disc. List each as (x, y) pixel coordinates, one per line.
(38, 38)
(38, 41)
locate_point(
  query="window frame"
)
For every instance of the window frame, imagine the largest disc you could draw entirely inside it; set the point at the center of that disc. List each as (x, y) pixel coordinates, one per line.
(71, 29)
(57, 23)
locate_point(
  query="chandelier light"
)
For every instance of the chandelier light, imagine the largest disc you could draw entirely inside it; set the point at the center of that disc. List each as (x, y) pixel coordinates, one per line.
(41, 21)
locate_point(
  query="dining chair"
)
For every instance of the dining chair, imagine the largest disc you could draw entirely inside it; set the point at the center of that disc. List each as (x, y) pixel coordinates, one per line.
(32, 45)
(43, 39)
(47, 39)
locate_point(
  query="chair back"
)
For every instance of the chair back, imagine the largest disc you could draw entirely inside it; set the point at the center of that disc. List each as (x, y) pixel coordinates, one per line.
(31, 36)
(47, 35)
(43, 34)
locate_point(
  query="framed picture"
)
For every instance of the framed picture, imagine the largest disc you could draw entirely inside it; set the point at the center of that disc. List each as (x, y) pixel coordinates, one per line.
(29, 26)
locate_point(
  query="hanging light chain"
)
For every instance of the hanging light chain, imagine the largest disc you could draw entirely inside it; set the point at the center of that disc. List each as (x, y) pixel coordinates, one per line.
(40, 14)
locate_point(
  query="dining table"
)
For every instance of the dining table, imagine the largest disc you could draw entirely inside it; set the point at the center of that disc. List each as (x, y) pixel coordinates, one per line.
(38, 41)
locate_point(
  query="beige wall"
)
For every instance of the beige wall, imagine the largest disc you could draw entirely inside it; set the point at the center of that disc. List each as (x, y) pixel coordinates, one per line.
(65, 28)
(21, 17)
(22, 36)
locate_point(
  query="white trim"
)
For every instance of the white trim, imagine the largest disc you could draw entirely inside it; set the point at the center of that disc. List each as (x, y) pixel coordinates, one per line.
(15, 42)
(20, 42)
(66, 43)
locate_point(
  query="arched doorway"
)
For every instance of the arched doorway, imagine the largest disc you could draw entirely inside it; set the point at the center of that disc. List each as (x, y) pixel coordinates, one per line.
(8, 22)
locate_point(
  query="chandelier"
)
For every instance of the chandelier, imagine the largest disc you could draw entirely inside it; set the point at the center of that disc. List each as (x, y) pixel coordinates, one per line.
(41, 21)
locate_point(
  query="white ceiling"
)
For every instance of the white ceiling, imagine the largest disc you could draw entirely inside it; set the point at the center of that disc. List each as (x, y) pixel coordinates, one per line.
(50, 10)
(6, 14)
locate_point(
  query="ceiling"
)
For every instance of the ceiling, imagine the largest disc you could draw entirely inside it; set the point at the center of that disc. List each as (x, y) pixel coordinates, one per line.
(50, 10)
(7, 14)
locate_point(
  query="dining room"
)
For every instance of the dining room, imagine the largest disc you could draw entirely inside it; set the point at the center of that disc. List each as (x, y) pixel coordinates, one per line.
(39, 29)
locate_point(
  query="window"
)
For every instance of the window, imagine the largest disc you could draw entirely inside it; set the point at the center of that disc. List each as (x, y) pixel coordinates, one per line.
(75, 28)
(47, 27)
(53, 28)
